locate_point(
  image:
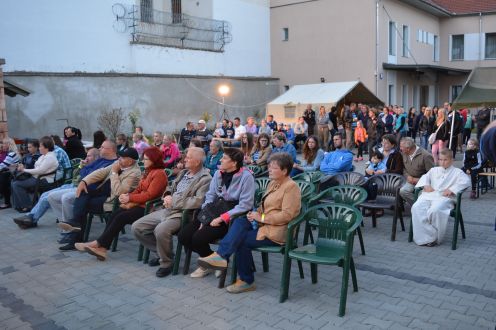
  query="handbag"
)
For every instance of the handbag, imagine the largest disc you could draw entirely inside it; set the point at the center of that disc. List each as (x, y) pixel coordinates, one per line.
(21, 176)
(214, 209)
(432, 137)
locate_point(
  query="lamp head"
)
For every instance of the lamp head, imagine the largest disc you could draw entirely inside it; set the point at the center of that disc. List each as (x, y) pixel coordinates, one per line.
(224, 90)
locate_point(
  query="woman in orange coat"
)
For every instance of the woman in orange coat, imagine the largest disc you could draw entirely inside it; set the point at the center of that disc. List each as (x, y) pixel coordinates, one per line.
(132, 205)
(360, 139)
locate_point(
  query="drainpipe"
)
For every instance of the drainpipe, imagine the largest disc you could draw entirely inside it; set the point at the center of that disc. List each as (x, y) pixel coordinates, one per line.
(376, 46)
(480, 37)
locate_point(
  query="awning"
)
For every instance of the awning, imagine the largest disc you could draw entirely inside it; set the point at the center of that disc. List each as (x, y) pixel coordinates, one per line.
(421, 68)
(12, 89)
(479, 90)
(328, 93)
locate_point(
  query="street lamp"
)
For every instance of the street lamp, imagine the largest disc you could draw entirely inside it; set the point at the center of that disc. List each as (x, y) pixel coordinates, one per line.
(223, 92)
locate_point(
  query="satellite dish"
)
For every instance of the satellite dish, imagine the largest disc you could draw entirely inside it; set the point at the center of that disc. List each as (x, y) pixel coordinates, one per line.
(119, 10)
(120, 26)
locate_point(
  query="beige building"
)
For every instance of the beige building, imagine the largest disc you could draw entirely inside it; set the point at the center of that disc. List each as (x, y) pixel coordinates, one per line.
(409, 52)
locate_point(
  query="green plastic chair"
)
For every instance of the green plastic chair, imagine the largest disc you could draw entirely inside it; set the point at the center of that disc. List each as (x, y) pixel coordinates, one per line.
(168, 172)
(346, 194)
(150, 206)
(261, 185)
(186, 218)
(307, 189)
(455, 213)
(104, 217)
(310, 176)
(334, 246)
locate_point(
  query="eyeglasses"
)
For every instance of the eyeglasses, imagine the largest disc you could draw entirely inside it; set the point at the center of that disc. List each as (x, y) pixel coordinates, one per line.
(145, 158)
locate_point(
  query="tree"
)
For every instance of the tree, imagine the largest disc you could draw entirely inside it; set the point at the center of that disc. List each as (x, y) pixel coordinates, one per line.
(110, 121)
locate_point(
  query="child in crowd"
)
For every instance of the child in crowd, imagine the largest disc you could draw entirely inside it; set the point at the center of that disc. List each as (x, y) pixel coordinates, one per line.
(377, 165)
(229, 130)
(472, 163)
(360, 139)
(290, 135)
(219, 132)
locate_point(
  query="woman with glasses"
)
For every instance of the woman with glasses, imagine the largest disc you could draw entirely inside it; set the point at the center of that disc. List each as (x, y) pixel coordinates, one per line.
(132, 205)
(261, 151)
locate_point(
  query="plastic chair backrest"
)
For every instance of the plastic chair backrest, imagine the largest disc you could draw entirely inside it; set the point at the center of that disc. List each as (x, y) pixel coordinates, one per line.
(168, 172)
(311, 176)
(262, 184)
(333, 221)
(255, 169)
(388, 183)
(341, 179)
(349, 195)
(306, 189)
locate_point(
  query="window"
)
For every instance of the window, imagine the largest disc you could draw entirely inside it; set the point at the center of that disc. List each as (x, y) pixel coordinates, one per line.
(404, 96)
(490, 45)
(457, 46)
(177, 13)
(391, 98)
(436, 48)
(146, 9)
(392, 38)
(290, 111)
(455, 91)
(406, 40)
(285, 34)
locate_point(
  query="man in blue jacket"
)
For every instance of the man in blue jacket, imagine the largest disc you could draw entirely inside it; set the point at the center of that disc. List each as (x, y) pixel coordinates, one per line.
(340, 160)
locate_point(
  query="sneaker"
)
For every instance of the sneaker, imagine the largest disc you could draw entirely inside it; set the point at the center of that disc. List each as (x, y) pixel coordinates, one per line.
(213, 261)
(218, 273)
(355, 159)
(68, 247)
(68, 227)
(201, 272)
(25, 221)
(367, 163)
(240, 286)
(360, 159)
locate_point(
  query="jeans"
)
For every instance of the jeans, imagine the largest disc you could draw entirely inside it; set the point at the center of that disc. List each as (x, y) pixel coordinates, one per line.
(42, 205)
(241, 239)
(424, 140)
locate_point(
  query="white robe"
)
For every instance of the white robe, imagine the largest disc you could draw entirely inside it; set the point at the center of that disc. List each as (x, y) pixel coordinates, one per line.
(430, 213)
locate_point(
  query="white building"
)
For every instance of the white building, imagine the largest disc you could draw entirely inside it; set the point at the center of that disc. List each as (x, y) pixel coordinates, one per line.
(165, 58)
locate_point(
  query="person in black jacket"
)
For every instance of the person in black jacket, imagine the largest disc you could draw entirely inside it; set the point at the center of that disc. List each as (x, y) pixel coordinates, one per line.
(457, 129)
(309, 117)
(472, 163)
(74, 147)
(483, 118)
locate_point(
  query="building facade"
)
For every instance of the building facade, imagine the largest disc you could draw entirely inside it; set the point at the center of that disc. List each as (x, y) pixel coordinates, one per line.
(164, 58)
(409, 52)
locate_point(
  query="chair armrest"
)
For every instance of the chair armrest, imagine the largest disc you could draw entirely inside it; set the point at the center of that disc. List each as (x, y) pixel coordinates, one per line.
(152, 203)
(416, 193)
(294, 226)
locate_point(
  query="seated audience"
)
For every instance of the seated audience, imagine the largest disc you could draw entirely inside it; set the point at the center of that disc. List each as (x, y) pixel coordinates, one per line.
(264, 128)
(267, 226)
(33, 154)
(122, 143)
(170, 152)
(203, 133)
(417, 162)
(187, 134)
(98, 139)
(251, 126)
(139, 144)
(219, 131)
(65, 167)
(339, 160)
(139, 129)
(280, 145)
(187, 191)
(377, 166)
(431, 211)
(230, 132)
(301, 132)
(472, 164)
(239, 130)
(246, 145)
(9, 157)
(231, 194)
(271, 123)
(73, 146)
(312, 157)
(290, 135)
(212, 161)
(392, 156)
(261, 151)
(97, 191)
(180, 164)
(46, 164)
(132, 205)
(158, 136)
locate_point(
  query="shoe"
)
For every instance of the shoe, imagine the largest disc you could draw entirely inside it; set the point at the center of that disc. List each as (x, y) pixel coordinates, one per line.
(163, 272)
(355, 159)
(68, 247)
(360, 159)
(367, 163)
(154, 262)
(24, 221)
(473, 195)
(431, 244)
(68, 227)
(99, 253)
(5, 206)
(81, 247)
(213, 261)
(201, 272)
(240, 286)
(65, 238)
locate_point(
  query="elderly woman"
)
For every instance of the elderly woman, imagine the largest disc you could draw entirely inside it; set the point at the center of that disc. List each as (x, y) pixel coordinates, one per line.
(212, 161)
(9, 157)
(231, 194)
(261, 151)
(266, 226)
(170, 151)
(132, 205)
(47, 163)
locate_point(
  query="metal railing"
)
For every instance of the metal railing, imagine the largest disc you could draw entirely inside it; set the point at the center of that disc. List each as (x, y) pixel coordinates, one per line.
(154, 27)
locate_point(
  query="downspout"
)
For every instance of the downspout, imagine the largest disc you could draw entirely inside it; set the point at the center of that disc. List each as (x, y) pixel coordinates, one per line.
(480, 37)
(376, 46)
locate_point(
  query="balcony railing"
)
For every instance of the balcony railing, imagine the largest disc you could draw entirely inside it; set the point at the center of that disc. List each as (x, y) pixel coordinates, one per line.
(154, 27)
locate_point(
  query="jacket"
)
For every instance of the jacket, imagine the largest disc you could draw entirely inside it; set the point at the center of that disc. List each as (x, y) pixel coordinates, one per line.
(122, 183)
(287, 147)
(281, 204)
(401, 123)
(443, 132)
(149, 187)
(242, 189)
(360, 135)
(394, 163)
(315, 165)
(211, 162)
(420, 164)
(74, 148)
(263, 155)
(340, 160)
(47, 163)
(171, 154)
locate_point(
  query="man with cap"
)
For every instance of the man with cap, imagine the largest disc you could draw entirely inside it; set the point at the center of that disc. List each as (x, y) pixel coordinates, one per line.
(97, 192)
(203, 133)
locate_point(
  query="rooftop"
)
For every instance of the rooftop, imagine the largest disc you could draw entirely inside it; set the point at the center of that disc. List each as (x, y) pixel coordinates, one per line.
(464, 7)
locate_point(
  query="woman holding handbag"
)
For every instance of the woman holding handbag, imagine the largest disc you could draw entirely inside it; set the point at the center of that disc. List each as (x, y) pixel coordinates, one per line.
(439, 139)
(132, 205)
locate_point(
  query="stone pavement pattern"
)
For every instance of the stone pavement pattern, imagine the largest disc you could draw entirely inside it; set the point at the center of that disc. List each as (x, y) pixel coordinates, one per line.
(400, 284)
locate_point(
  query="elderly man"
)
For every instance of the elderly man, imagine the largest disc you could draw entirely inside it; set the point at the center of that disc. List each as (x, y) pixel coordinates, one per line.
(97, 191)
(431, 211)
(250, 126)
(212, 161)
(157, 138)
(339, 160)
(416, 162)
(188, 191)
(280, 145)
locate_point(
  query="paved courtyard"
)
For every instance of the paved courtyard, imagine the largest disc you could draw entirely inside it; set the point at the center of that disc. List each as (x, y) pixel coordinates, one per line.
(400, 284)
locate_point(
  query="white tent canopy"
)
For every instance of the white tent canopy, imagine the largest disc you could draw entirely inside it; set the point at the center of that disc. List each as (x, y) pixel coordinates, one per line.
(288, 106)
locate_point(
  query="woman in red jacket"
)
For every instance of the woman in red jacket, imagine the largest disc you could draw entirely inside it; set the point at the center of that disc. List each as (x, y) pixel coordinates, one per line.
(132, 205)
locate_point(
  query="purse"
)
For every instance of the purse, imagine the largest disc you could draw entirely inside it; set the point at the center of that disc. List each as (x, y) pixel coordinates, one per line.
(432, 137)
(214, 209)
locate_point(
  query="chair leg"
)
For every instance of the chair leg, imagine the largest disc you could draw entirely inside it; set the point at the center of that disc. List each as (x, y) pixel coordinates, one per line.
(87, 228)
(344, 288)
(265, 261)
(222, 278)
(187, 262)
(300, 268)
(146, 256)
(395, 224)
(114, 243)
(285, 277)
(140, 252)
(360, 239)
(400, 214)
(410, 234)
(455, 233)
(374, 218)
(313, 272)
(234, 269)
(353, 275)
(462, 226)
(177, 258)
(123, 231)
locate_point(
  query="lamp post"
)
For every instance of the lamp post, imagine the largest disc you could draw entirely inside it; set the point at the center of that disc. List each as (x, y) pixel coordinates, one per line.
(223, 92)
